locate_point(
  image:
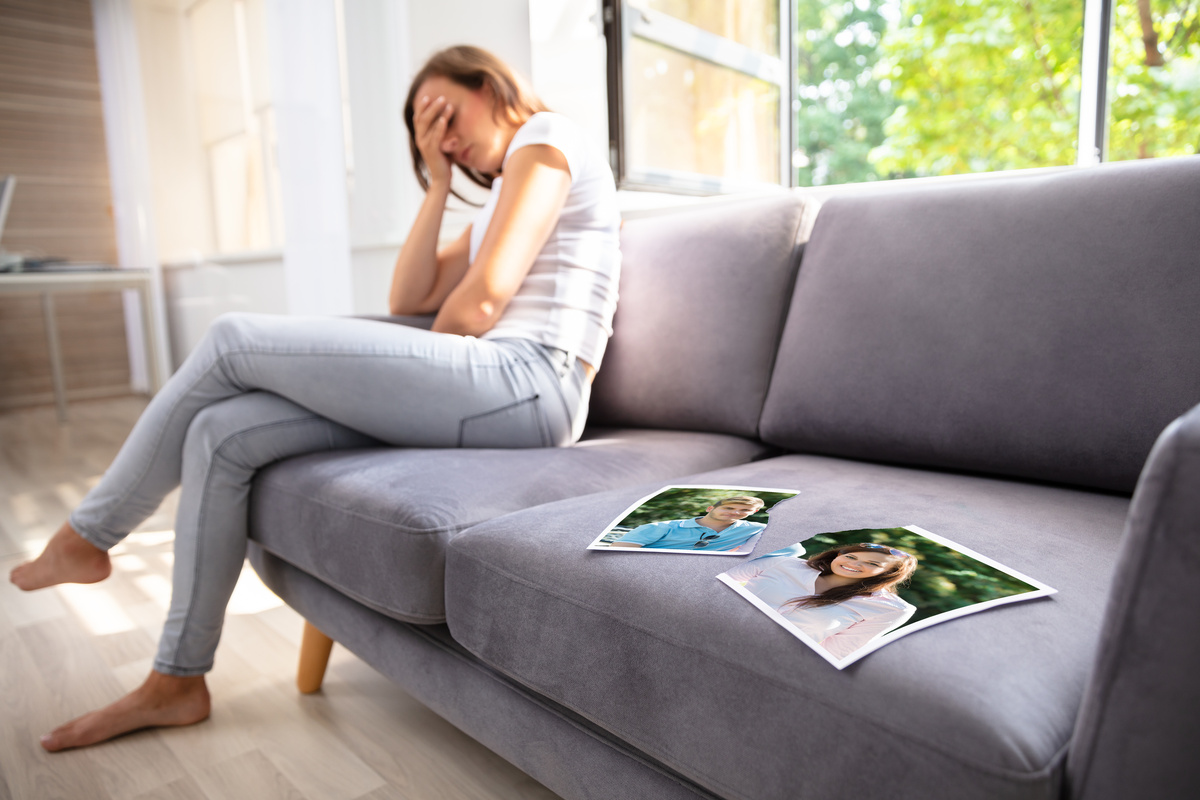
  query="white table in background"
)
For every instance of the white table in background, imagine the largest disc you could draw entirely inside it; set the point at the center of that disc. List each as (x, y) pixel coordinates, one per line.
(50, 283)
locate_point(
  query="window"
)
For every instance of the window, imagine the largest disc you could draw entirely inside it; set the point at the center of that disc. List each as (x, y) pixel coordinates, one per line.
(1154, 82)
(228, 47)
(879, 89)
(703, 103)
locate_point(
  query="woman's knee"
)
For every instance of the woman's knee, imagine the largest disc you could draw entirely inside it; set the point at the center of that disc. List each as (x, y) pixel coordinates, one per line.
(210, 428)
(230, 329)
(242, 430)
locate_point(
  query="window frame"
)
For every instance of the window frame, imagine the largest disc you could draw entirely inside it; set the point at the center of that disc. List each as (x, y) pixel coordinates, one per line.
(622, 21)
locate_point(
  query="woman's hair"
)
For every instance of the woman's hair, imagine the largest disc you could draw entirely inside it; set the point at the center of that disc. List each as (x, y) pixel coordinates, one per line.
(899, 573)
(472, 68)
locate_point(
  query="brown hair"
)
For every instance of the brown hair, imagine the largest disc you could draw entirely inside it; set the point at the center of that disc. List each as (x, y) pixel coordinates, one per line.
(474, 69)
(883, 582)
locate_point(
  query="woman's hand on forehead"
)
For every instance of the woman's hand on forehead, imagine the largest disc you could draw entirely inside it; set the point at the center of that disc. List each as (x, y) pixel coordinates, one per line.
(430, 119)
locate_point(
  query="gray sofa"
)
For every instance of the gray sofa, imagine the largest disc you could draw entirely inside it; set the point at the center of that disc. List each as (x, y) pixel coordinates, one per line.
(992, 360)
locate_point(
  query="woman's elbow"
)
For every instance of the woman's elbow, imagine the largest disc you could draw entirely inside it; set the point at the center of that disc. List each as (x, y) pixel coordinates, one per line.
(473, 317)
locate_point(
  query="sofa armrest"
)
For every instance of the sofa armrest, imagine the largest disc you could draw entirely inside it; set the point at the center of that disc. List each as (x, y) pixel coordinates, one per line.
(424, 321)
(1139, 724)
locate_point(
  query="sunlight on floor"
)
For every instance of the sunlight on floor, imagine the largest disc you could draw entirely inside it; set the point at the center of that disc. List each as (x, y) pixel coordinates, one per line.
(96, 609)
(150, 538)
(69, 494)
(251, 595)
(129, 563)
(146, 559)
(24, 508)
(155, 587)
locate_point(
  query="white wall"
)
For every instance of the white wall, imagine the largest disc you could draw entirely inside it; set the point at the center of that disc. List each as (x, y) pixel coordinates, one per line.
(569, 62)
(558, 43)
(199, 292)
(501, 26)
(125, 126)
(306, 93)
(183, 222)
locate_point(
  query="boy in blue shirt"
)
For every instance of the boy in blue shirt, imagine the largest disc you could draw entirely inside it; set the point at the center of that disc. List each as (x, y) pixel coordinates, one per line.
(723, 527)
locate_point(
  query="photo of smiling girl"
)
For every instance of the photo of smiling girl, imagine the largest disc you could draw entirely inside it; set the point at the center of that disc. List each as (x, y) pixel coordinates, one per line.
(841, 598)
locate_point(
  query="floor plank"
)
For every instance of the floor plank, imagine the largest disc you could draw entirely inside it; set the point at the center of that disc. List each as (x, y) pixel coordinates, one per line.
(67, 650)
(248, 775)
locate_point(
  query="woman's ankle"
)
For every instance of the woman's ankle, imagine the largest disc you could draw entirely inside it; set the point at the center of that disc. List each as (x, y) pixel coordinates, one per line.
(67, 558)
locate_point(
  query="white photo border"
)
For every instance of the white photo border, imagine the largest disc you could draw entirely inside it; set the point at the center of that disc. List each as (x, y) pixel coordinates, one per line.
(1040, 590)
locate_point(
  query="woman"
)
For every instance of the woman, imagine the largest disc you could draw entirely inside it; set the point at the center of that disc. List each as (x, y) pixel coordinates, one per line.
(842, 598)
(524, 302)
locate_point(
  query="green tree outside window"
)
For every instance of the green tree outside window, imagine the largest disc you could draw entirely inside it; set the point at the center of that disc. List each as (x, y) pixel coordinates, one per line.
(903, 88)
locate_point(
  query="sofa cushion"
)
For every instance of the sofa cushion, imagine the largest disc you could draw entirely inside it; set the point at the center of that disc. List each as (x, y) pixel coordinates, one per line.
(374, 523)
(1040, 326)
(654, 649)
(703, 297)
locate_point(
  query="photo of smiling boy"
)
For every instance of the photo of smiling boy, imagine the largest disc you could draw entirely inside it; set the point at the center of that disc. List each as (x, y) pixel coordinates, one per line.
(701, 520)
(723, 527)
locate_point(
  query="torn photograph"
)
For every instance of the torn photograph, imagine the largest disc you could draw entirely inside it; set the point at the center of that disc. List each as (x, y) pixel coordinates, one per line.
(704, 520)
(848, 593)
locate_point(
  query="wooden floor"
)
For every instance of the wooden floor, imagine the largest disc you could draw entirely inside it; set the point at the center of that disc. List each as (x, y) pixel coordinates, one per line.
(67, 650)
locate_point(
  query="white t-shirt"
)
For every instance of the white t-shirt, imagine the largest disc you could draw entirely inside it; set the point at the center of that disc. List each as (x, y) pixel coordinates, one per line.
(568, 299)
(841, 628)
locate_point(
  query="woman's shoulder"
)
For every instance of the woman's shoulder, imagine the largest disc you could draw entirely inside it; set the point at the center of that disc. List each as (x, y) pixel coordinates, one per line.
(556, 130)
(550, 122)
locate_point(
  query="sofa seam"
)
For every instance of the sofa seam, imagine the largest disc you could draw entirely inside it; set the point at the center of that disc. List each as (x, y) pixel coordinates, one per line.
(1004, 773)
(370, 518)
(358, 598)
(796, 257)
(770, 451)
(612, 741)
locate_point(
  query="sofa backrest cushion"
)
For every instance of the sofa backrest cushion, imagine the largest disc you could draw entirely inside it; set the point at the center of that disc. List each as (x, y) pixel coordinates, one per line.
(703, 296)
(1043, 326)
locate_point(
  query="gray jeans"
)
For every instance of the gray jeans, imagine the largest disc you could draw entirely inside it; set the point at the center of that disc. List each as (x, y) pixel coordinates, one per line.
(260, 388)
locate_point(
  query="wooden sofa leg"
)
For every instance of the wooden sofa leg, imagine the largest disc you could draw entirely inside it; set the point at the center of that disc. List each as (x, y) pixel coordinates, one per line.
(314, 657)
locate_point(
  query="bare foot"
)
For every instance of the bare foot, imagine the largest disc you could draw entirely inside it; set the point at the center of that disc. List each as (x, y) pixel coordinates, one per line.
(68, 558)
(162, 700)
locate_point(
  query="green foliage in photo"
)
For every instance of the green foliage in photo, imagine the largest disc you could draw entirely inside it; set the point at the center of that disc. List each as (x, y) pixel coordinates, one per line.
(945, 579)
(681, 503)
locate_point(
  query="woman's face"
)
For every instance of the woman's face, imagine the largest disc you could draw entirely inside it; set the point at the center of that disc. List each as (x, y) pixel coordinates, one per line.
(475, 137)
(862, 565)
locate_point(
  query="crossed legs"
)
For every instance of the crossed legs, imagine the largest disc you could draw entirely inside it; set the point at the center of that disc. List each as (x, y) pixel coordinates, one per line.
(225, 444)
(219, 419)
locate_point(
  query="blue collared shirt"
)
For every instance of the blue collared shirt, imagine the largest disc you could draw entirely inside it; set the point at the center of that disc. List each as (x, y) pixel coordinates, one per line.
(683, 534)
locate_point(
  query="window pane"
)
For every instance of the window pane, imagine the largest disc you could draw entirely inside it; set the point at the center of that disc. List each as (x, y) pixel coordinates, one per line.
(754, 23)
(687, 115)
(842, 96)
(1154, 79)
(892, 89)
(217, 69)
(239, 196)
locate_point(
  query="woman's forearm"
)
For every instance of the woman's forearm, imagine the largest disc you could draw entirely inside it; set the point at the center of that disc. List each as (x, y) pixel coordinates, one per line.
(536, 183)
(416, 272)
(470, 310)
